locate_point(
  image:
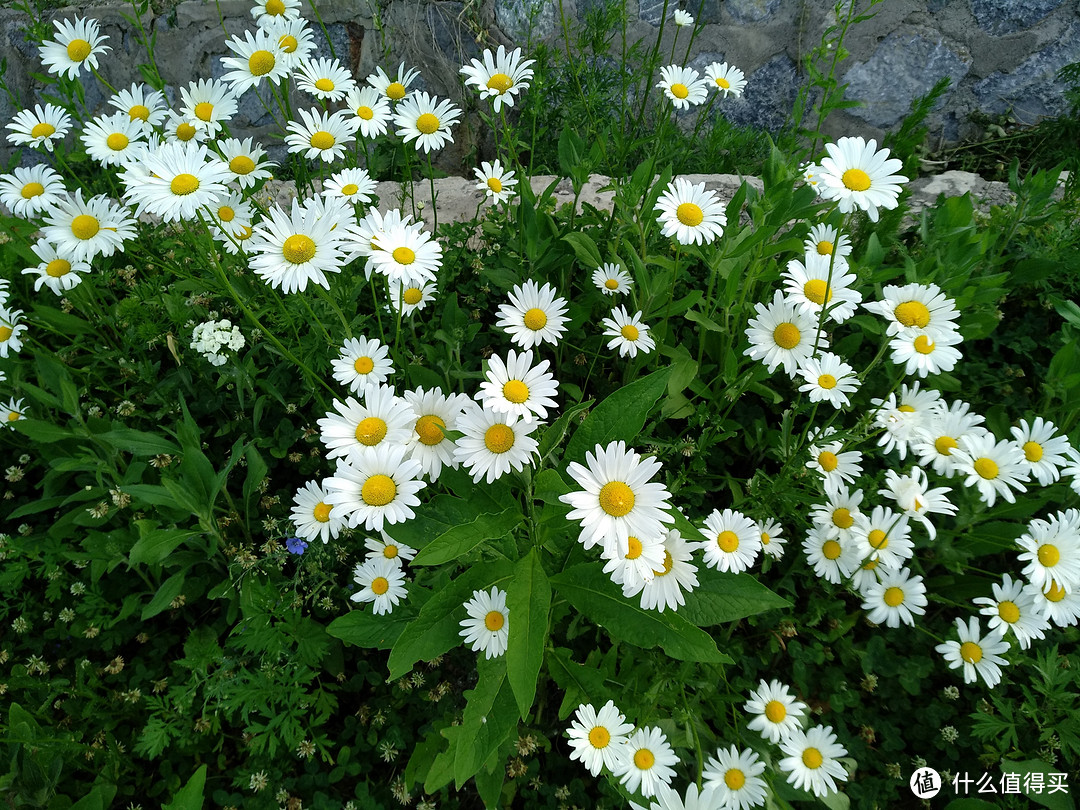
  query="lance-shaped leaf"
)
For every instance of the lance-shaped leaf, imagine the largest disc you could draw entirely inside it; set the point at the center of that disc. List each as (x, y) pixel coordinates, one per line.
(528, 598)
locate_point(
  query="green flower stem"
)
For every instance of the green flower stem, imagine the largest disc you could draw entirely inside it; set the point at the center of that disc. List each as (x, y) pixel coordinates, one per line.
(690, 715)
(378, 314)
(315, 318)
(325, 296)
(434, 207)
(101, 79)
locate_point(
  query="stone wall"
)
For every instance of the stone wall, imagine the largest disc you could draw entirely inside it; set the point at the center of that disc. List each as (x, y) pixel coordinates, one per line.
(1002, 55)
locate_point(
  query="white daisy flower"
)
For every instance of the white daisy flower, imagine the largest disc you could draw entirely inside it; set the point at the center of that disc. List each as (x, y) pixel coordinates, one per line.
(617, 498)
(426, 120)
(905, 417)
(534, 315)
(382, 582)
(772, 544)
(39, 127)
(833, 558)
(781, 335)
(913, 495)
(898, 597)
(435, 414)
(406, 254)
(825, 240)
(644, 762)
(828, 379)
(811, 175)
(77, 44)
(735, 541)
(258, 57)
(176, 181)
(494, 443)
(358, 236)
(683, 19)
(378, 489)
(487, 629)
(96, 227)
(294, 37)
(774, 711)
(1056, 604)
(499, 77)
(859, 176)
(683, 86)
(667, 798)
(995, 468)
(883, 535)
(290, 249)
(634, 568)
(56, 270)
(207, 104)
(596, 736)
(245, 161)
(11, 412)
(612, 280)
(980, 656)
(28, 192)
(1044, 451)
(372, 111)
(141, 103)
(411, 298)
(941, 435)
(177, 129)
(837, 515)
(313, 517)
(1012, 607)
(812, 760)
(690, 213)
(231, 218)
(517, 387)
(265, 10)
(388, 549)
(11, 330)
(735, 778)
(362, 363)
(822, 281)
(354, 430)
(628, 334)
(321, 135)
(495, 181)
(924, 355)
(867, 574)
(325, 79)
(354, 185)
(111, 140)
(678, 574)
(915, 309)
(727, 79)
(1051, 550)
(394, 89)
(828, 458)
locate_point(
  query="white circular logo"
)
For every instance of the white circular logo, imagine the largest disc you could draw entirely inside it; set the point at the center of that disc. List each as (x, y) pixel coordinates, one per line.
(925, 783)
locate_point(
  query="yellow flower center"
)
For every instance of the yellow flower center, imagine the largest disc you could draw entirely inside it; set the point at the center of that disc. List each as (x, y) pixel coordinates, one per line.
(412, 296)
(427, 123)
(775, 711)
(1033, 451)
(535, 319)
(630, 332)
(1049, 556)
(390, 551)
(380, 585)
(1009, 612)
(679, 90)
(245, 233)
(856, 179)
(812, 758)
(184, 184)
(612, 284)
(42, 130)
(5, 333)
(78, 49)
(923, 345)
(817, 290)
(516, 391)
(986, 468)
(669, 562)
(945, 445)
(831, 549)
(500, 83)
(722, 82)
(912, 313)
(31, 190)
(870, 565)
(893, 596)
(370, 431)
(363, 365)
(842, 517)
(118, 141)
(599, 737)
(643, 759)
(349, 189)
(727, 540)
(689, 214)
(878, 539)
(365, 112)
(85, 226)
(395, 90)
(14, 416)
(204, 110)
(616, 498)
(404, 255)
(906, 409)
(827, 460)
(321, 512)
(825, 248)
(971, 652)
(787, 336)
(734, 778)
(765, 539)
(326, 85)
(298, 248)
(226, 214)
(495, 184)
(322, 140)
(1055, 593)
(261, 62)
(826, 381)
(140, 111)
(430, 429)
(635, 548)
(58, 268)
(241, 164)
(288, 43)
(494, 620)
(275, 8)
(378, 490)
(499, 438)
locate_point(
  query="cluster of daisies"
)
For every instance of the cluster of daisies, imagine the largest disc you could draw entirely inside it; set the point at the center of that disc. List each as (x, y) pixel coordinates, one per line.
(642, 759)
(11, 328)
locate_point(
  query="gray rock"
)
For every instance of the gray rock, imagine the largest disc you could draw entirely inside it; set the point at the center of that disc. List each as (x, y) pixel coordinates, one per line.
(1006, 16)
(751, 11)
(339, 37)
(1032, 91)
(451, 37)
(767, 101)
(904, 67)
(651, 11)
(520, 18)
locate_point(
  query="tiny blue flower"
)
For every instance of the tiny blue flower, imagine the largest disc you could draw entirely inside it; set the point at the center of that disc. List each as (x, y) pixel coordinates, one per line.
(295, 545)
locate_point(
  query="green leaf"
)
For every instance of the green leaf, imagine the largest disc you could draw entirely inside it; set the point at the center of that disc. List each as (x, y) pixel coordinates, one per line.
(549, 485)
(554, 434)
(169, 590)
(138, 443)
(362, 628)
(528, 597)
(621, 416)
(1055, 801)
(43, 432)
(62, 322)
(155, 544)
(489, 718)
(707, 323)
(462, 538)
(722, 597)
(98, 798)
(593, 594)
(190, 796)
(580, 684)
(585, 248)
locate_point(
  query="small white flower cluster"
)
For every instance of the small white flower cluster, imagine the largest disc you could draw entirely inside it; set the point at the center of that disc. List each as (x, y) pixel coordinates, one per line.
(210, 339)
